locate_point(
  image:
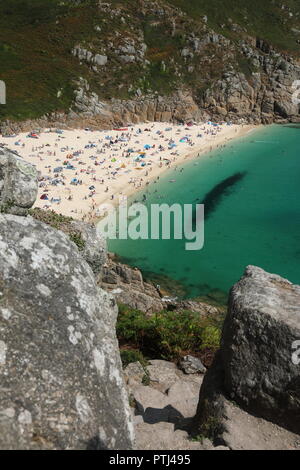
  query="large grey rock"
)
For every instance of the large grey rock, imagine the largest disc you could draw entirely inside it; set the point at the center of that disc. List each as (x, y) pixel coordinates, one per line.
(226, 423)
(95, 248)
(254, 366)
(262, 324)
(18, 183)
(60, 370)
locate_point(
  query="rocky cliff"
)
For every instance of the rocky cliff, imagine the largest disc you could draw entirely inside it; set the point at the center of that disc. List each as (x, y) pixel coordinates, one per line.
(120, 62)
(60, 369)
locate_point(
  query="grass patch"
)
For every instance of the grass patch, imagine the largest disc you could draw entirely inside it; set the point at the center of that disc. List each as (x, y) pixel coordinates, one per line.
(168, 335)
(265, 19)
(130, 355)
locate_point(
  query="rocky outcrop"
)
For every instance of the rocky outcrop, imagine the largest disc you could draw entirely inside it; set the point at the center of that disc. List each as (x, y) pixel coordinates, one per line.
(180, 106)
(60, 369)
(262, 325)
(89, 57)
(18, 183)
(263, 95)
(192, 365)
(128, 287)
(94, 249)
(138, 60)
(88, 110)
(254, 366)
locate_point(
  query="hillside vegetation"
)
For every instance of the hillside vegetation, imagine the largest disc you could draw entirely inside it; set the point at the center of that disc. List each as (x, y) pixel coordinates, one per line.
(167, 335)
(41, 73)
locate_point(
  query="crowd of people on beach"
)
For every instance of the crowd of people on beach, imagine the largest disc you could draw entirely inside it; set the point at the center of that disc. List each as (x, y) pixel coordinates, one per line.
(78, 169)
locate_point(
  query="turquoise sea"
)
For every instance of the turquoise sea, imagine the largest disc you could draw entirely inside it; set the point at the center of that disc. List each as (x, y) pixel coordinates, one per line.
(251, 190)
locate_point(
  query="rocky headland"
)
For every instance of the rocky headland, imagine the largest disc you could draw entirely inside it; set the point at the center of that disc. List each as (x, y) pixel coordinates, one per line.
(154, 62)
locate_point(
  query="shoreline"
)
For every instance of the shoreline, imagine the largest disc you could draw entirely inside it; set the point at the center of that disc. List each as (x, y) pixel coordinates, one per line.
(81, 170)
(244, 131)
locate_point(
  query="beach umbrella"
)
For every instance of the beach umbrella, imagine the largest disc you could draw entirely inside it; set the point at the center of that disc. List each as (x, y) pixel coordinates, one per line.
(147, 147)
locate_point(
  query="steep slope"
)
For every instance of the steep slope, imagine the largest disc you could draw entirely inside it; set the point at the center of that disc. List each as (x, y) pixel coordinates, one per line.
(54, 53)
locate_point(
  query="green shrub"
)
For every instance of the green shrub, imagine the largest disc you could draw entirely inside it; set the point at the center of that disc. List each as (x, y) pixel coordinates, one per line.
(77, 239)
(51, 218)
(131, 355)
(169, 335)
(211, 337)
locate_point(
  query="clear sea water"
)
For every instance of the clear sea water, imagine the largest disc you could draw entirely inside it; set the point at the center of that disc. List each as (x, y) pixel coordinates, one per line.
(252, 192)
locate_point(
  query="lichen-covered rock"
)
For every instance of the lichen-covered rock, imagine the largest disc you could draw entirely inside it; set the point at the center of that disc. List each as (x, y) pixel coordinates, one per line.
(60, 370)
(262, 324)
(94, 250)
(18, 183)
(192, 365)
(255, 366)
(226, 423)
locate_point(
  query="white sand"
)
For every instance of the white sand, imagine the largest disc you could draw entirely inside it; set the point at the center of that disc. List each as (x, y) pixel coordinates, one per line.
(108, 166)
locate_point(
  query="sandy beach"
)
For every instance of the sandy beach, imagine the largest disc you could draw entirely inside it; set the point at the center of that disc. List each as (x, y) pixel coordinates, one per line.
(81, 169)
